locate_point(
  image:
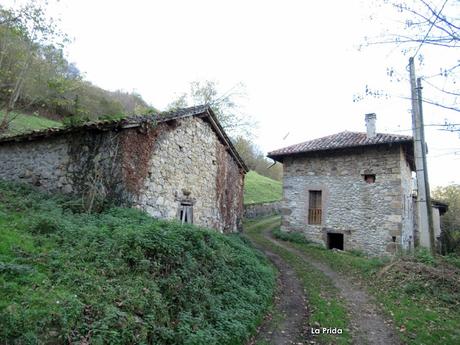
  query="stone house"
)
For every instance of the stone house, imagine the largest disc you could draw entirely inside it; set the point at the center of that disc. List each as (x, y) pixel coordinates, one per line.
(351, 190)
(178, 165)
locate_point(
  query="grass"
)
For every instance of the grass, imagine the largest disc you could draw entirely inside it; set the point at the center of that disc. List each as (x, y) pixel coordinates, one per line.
(259, 189)
(420, 293)
(23, 123)
(325, 305)
(121, 277)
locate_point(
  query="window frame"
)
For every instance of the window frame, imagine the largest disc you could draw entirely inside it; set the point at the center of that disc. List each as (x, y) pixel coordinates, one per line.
(185, 213)
(315, 214)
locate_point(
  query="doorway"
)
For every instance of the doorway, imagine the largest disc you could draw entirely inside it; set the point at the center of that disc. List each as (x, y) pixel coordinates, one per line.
(335, 241)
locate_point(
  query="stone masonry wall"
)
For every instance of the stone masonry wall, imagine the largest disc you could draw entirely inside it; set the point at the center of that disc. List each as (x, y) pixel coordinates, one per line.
(77, 163)
(406, 236)
(189, 163)
(262, 210)
(152, 167)
(368, 215)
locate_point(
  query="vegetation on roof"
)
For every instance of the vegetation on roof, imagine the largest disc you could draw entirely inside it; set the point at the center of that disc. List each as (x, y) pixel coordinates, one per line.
(259, 189)
(121, 277)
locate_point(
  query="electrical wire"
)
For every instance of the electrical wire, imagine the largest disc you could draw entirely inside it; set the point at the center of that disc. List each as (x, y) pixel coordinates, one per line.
(429, 30)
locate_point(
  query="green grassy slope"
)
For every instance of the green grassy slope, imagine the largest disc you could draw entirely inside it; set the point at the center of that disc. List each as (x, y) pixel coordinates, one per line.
(258, 189)
(121, 277)
(24, 123)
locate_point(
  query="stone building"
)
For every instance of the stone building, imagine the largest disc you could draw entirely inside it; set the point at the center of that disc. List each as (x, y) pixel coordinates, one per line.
(178, 165)
(351, 190)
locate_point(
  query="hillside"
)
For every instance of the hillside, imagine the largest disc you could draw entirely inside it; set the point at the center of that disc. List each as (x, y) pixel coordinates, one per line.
(36, 77)
(23, 123)
(121, 277)
(258, 189)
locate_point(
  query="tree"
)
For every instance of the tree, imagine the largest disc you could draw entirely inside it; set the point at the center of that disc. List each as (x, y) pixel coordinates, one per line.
(256, 160)
(429, 31)
(450, 222)
(225, 105)
(25, 34)
(36, 77)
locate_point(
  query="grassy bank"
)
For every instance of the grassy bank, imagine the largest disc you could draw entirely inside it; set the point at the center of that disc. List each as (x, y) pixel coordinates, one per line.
(325, 306)
(420, 293)
(121, 277)
(23, 123)
(259, 189)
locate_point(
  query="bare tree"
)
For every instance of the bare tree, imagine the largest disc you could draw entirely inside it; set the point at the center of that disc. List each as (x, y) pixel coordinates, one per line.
(225, 105)
(429, 31)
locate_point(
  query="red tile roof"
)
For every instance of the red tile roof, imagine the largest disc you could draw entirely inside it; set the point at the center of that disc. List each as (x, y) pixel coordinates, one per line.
(340, 141)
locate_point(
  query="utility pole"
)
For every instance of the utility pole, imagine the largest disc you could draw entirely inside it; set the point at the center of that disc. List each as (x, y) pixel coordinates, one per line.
(424, 211)
(425, 169)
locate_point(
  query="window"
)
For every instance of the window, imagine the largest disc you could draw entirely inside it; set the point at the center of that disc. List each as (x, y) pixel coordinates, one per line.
(185, 213)
(314, 207)
(369, 178)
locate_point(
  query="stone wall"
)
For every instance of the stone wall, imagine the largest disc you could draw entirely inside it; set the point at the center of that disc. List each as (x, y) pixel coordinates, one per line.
(83, 163)
(189, 163)
(262, 210)
(370, 216)
(152, 167)
(406, 236)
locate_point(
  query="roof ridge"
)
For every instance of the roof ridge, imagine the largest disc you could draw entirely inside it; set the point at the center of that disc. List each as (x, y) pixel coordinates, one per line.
(340, 140)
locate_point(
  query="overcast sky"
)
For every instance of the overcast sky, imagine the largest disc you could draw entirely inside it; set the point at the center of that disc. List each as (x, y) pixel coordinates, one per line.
(298, 60)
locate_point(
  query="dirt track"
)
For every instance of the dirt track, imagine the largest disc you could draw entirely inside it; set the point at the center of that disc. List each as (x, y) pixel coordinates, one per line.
(289, 321)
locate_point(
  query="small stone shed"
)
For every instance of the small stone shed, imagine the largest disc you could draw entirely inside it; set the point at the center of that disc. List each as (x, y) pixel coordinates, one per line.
(351, 190)
(178, 165)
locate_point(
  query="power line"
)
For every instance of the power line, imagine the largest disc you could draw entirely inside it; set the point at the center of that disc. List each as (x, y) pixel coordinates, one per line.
(429, 30)
(427, 125)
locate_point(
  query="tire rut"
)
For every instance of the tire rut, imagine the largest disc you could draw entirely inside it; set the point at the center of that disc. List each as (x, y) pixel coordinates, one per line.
(368, 326)
(288, 323)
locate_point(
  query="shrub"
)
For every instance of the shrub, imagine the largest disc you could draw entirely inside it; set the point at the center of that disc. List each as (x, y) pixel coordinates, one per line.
(295, 237)
(453, 259)
(43, 225)
(122, 277)
(423, 255)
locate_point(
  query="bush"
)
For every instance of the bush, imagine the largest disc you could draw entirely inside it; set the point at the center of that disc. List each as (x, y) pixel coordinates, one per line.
(423, 255)
(453, 259)
(122, 277)
(43, 225)
(295, 237)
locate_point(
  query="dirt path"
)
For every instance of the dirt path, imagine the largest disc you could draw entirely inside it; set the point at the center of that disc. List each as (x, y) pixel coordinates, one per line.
(287, 323)
(368, 326)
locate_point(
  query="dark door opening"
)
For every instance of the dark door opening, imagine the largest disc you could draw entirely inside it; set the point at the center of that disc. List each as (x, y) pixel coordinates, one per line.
(335, 241)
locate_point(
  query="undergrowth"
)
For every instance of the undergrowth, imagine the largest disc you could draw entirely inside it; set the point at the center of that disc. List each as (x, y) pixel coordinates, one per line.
(421, 293)
(121, 277)
(289, 236)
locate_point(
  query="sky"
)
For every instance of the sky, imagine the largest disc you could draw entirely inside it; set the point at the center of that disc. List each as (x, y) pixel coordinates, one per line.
(298, 60)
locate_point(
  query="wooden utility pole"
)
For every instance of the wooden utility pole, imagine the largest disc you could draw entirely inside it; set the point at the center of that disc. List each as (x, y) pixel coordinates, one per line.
(424, 211)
